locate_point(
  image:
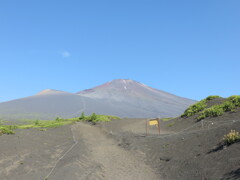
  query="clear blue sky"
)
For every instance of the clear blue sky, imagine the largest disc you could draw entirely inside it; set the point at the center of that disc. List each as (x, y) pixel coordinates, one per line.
(185, 47)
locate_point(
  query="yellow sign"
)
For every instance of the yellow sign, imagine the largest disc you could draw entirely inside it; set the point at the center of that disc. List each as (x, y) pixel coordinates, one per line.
(153, 122)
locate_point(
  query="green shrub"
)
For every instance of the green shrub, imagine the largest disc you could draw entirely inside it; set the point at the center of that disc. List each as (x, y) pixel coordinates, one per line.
(6, 130)
(235, 99)
(232, 137)
(195, 108)
(214, 111)
(93, 117)
(228, 106)
(82, 117)
(37, 122)
(59, 119)
(212, 97)
(201, 116)
(100, 118)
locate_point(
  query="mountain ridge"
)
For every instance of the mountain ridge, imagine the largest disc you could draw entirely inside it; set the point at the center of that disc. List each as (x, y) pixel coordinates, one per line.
(121, 97)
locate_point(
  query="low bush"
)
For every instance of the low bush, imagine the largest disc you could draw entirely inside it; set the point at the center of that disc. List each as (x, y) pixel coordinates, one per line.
(235, 99)
(232, 137)
(6, 130)
(195, 108)
(93, 117)
(212, 97)
(37, 122)
(214, 111)
(230, 104)
(99, 118)
(82, 117)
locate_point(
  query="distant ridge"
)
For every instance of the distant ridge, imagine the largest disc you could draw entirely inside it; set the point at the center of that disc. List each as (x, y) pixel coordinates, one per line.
(120, 97)
(50, 91)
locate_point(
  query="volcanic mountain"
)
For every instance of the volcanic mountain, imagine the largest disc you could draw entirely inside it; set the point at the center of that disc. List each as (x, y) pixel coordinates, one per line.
(123, 98)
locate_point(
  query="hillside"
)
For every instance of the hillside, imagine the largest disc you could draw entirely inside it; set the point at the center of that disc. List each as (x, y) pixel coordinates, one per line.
(185, 150)
(123, 98)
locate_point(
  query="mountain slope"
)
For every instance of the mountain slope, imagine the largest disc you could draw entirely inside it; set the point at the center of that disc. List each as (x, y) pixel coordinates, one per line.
(123, 98)
(44, 105)
(139, 96)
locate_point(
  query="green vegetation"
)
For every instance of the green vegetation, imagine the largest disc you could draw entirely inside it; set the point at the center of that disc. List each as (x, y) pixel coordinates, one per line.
(230, 104)
(170, 125)
(212, 97)
(43, 124)
(213, 111)
(7, 129)
(200, 108)
(195, 108)
(82, 117)
(100, 118)
(232, 137)
(166, 119)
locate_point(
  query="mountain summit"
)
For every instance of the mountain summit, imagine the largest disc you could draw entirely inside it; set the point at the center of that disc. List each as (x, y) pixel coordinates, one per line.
(120, 97)
(119, 88)
(138, 98)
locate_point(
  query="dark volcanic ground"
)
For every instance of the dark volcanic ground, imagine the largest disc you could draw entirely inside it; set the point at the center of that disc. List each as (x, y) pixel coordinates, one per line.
(185, 150)
(120, 149)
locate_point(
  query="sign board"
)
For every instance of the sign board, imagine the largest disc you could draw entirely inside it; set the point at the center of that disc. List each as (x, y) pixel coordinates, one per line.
(153, 122)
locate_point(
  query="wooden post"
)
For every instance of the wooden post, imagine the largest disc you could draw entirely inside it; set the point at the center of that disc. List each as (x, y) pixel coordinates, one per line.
(146, 126)
(158, 119)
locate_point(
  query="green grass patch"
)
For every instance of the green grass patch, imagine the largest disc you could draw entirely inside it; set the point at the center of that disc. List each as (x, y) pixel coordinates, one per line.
(99, 118)
(166, 119)
(43, 124)
(170, 125)
(7, 129)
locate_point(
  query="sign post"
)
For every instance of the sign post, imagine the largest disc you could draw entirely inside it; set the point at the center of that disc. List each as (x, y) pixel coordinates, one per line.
(153, 122)
(158, 119)
(146, 127)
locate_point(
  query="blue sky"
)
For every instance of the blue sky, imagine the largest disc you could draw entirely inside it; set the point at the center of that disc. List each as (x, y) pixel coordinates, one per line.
(188, 48)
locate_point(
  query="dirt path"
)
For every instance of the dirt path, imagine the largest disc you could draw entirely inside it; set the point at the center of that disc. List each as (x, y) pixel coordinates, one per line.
(96, 156)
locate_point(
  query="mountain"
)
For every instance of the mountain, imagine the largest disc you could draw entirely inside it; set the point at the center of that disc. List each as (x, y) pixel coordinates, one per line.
(124, 98)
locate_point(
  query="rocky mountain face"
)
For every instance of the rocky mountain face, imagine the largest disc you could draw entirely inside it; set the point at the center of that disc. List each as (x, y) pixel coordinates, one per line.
(123, 98)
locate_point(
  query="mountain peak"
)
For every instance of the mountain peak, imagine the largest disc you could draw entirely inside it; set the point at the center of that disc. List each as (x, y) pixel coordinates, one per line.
(117, 83)
(120, 84)
(122, 80)
(120, 89)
